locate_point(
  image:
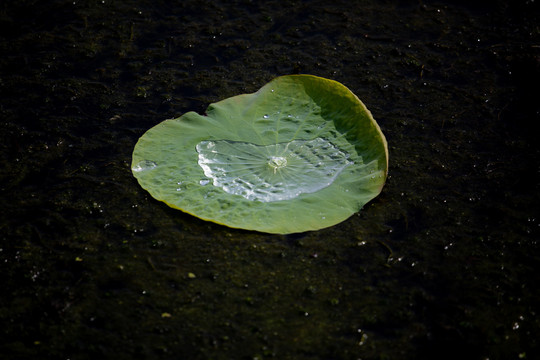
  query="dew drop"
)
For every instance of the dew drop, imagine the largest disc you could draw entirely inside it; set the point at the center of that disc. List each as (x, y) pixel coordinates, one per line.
(144, 165)
(265, 116)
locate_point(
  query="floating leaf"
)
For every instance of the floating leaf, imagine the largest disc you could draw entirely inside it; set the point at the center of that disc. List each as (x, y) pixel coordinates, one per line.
(302, 153)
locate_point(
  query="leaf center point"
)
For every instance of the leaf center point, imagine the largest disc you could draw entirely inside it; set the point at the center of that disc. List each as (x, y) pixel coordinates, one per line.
(277, 162)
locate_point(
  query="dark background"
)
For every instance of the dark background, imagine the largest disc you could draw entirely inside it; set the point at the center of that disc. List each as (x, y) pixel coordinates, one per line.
(442, 265)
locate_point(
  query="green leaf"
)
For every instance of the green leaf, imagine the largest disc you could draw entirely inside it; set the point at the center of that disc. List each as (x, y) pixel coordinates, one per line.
(302, 153)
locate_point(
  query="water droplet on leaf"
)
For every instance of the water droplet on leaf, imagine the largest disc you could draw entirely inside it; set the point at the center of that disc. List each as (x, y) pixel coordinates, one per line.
(144, 165)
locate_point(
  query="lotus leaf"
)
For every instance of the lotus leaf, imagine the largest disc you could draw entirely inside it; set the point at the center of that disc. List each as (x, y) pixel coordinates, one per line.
(302, 153)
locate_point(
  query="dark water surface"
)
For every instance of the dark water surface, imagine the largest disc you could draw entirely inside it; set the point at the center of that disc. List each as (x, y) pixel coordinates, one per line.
(442, 265)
